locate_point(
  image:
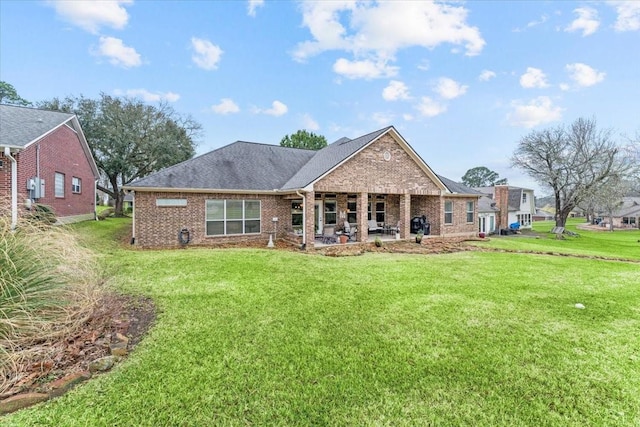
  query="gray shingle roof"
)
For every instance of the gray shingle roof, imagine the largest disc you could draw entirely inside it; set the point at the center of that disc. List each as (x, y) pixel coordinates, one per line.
(456, 187)
(329, 157)
(21, 125)
(487, 204)
(237, 166)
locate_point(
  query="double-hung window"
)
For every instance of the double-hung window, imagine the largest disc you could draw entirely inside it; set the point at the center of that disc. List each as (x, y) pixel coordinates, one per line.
(448, 212)
(297, 215)
(469, 211)
(59, 185)
(76, 185)
(330, 212)
(229, 217)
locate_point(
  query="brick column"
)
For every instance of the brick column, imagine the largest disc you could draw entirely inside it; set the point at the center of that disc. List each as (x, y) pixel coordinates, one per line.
(501, 197)
(405, 215)
(309, 219)
(361, 214)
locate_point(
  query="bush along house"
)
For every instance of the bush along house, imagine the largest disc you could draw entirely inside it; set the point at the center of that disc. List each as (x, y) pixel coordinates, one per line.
(45, 160)
(247, 191)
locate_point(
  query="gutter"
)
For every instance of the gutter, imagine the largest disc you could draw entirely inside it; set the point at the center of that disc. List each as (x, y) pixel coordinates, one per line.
(14, 187)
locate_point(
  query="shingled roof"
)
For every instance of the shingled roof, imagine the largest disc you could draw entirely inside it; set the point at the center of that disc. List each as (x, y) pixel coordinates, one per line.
(20, 126)
(456, 187)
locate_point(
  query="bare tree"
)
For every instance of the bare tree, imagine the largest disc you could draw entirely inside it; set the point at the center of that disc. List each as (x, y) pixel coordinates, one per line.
(574, 162)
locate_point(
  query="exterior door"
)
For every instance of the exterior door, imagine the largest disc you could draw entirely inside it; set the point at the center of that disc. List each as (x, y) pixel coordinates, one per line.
(317, 216)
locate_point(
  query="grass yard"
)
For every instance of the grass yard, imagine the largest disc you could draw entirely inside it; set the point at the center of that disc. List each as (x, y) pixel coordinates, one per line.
(617, 244)
(259, 337)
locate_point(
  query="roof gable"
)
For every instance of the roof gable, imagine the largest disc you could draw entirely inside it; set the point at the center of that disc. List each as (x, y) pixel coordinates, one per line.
(21, 126)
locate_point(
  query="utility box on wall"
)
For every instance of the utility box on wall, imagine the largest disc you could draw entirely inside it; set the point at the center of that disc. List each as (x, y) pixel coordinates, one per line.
(35, 186)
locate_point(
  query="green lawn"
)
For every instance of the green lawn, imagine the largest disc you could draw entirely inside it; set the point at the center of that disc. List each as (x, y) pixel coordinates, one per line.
(259, 337)
(617, 244)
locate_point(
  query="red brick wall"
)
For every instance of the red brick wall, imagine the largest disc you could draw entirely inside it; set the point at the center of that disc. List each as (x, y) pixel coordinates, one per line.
(501, 197)
(60, 151)
(159, 226)
(5, 184)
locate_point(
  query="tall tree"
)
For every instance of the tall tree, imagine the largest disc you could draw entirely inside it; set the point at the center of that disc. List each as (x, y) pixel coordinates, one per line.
(130, 139)
(481, 176)
(573, 162)
(304, 139)
(9, 95)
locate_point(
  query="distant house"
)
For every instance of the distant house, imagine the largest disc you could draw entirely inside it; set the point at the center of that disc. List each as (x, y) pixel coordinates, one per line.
(514, 204)
(246, 191)
(628, 214)
(45, 159)
(542, 215)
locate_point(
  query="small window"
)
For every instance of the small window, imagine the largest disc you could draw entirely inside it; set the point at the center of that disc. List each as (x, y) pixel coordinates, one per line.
(171, 202)
(297, 216)
(469, 211)
(76, 185)
(59, 185)
(524, 198)
(448, 212)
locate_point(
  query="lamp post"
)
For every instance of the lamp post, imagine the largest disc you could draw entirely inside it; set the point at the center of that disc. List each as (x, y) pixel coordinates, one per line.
(275, 227)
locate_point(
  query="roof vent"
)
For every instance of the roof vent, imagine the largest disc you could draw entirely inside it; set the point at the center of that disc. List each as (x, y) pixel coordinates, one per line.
(40, 120)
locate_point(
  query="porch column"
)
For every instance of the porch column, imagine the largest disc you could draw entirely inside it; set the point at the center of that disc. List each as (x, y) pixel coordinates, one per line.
(361, 214)
(405, 215)
(309, 219)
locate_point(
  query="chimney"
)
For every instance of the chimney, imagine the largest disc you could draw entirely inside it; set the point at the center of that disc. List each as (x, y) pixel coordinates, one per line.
(501, 197)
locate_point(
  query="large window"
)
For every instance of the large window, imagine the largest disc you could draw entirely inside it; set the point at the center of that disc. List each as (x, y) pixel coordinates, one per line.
(524, 219)
(330, 212)
(379, 212)
(448, 212)
(59, 184)
(227, 217)
(352, 207)
(297, 216)
(469, 211)
(76, 185)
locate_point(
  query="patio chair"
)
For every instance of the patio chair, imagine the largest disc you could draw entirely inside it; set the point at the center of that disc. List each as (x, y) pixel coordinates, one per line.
(373, 226)
(349, 232)
(329, 235)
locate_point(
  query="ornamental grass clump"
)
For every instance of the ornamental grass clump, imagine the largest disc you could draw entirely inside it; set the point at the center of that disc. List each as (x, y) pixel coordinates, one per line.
(48, 289)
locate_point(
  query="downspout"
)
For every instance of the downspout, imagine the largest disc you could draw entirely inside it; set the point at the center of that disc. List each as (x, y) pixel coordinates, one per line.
(95, 199)
(14, 187)
(133, 215)
(304, 218)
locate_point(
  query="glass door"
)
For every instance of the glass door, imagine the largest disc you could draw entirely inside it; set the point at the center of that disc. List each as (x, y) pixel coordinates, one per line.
(317, 216)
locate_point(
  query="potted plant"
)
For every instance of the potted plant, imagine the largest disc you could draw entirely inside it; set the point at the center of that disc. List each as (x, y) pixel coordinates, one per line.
(343, 238)
(419, 236)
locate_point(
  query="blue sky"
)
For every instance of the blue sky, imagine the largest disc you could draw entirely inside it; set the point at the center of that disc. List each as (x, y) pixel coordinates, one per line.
(461, 81)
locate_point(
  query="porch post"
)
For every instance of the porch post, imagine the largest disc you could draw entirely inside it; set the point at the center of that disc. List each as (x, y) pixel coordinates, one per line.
(361, 214)
(309, 219)
(405, 215)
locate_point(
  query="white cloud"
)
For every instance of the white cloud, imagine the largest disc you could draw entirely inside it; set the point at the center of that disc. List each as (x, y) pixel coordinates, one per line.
(118, 54)
(538, 111)
(374, 31)
(382, 119)
(207, 55)
(584, 75)
(253, 5)
(308, 122)
(396, 90)
(628, 15)
(148, 96)
(531, 24)
(564, 86)
(449, 88)
(533, 78)
(486, 75)
(430, 108)
(363, 69)
(277, 109)
(91, 15)
(407, 117)
(587, 21)
(226, 106)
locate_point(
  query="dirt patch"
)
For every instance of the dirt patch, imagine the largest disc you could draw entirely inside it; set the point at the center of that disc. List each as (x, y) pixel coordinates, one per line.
(129, 316)
(427, 246)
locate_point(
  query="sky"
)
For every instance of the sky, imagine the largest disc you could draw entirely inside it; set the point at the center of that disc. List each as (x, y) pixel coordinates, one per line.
(462, 82)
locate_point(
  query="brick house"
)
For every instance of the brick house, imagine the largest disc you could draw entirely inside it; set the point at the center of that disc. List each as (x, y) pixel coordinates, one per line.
(246, 191)
(45, 159)
(514, 204)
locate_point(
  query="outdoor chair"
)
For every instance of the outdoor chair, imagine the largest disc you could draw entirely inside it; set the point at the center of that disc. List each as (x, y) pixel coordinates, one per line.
(373, 226)
(349, 232)
(329, 235)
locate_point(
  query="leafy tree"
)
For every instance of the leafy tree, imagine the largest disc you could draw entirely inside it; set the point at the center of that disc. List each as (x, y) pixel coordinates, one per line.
(574, 162)
(130, 139)
(9, 95)
(482, 177)
(304, 139)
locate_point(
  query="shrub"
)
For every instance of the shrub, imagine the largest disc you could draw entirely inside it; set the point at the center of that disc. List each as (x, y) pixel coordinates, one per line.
(47, 288)
(43, 214)
(378, 242)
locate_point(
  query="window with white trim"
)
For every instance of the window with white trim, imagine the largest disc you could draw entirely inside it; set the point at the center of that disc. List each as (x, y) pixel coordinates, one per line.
(59, 185)
(231, 217)
(76, 185)
(352, 208)
(330, 212)
(448, 212)
(469, 211)
(297, 216)
(524, 198)
(379, 206)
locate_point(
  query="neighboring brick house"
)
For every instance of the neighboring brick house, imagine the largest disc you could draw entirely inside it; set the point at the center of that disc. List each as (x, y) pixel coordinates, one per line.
(45, 159)
(514, 204)
(245, 191)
